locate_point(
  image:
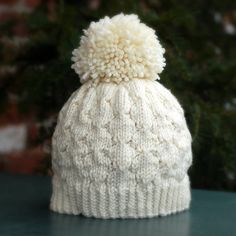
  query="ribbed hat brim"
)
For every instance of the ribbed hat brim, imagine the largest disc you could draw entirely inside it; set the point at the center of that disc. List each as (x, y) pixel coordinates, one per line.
(131, 202)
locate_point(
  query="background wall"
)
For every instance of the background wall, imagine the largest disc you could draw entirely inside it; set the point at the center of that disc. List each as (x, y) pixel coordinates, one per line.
(36, 40)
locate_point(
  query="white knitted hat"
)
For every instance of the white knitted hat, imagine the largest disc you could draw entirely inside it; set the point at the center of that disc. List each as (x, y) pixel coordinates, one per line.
(121, 148)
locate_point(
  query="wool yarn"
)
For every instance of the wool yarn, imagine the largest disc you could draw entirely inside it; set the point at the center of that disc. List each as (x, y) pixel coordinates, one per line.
(121, 147)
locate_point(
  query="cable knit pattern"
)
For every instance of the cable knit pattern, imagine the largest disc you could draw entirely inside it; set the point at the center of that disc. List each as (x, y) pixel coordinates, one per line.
(121, 150)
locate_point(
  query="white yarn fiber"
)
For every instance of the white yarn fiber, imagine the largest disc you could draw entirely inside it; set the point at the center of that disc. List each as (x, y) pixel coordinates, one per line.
(121, 151)
(118, 48)
(121, 147)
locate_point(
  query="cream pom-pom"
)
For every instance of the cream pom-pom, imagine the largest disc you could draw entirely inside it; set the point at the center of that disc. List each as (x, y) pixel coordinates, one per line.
(118, 49)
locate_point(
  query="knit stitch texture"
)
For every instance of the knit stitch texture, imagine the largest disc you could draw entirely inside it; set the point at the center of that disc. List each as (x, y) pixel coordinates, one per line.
(121, 147)
(121, 150)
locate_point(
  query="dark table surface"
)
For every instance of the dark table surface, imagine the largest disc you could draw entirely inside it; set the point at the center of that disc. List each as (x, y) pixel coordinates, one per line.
(24, 211)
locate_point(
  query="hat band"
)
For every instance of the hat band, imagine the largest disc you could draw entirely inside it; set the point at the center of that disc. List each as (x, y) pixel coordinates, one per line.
(133, 202)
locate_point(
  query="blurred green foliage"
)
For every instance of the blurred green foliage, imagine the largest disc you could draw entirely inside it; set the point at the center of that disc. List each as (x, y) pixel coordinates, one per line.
(200, 71)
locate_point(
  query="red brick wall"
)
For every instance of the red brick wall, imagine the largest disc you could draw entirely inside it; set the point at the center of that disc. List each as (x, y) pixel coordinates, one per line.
(26, 160)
